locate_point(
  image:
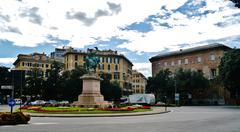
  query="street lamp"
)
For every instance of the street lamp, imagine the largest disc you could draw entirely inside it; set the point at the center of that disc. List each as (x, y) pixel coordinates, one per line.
(165, 103)
(175, 90)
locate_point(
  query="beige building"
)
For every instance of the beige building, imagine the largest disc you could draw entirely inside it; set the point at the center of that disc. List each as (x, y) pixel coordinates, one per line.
(34, 64)
(205, 59)
(116, 66)
(139, 82)
(58, 54)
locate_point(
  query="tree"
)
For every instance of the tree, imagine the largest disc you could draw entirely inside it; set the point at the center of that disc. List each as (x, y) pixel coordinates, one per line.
(34, 87)
(229, 71)
(4, 75)
(190, 83)
(71, 84)
(161, 85)
(53, 81)
(110, 90)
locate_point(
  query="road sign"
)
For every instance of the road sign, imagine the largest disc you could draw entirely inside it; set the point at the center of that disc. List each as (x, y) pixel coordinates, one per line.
(11, 102)
(176, 96)
(6, 87)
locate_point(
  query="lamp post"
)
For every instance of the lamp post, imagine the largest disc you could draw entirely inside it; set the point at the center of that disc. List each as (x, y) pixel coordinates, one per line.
(165, 103)
(20, 90)
(175, 89)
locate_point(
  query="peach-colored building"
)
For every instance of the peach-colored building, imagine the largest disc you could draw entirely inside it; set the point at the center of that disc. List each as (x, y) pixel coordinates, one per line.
(205, 59)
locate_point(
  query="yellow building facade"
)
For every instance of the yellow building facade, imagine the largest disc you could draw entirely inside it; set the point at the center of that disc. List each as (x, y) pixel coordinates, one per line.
(139, 82)
(34, 64)
(116, 66)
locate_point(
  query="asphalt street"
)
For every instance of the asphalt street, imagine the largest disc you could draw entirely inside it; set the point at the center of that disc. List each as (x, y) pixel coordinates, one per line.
(182, 119)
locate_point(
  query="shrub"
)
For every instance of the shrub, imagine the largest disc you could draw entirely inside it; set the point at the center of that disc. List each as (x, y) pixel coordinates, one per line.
(14, 118)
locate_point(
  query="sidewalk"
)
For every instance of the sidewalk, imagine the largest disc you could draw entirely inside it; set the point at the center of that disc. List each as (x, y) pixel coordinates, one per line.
(6, 108)
(156, 110)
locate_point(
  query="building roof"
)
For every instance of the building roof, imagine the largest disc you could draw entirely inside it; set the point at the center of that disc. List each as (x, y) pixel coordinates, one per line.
(139, 73)
(190, 50)
(100, 53)
(25, 57)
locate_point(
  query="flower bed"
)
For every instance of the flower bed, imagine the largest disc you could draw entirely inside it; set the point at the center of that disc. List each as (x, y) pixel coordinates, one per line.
(79, 110)
(41, 109)
(118, 109)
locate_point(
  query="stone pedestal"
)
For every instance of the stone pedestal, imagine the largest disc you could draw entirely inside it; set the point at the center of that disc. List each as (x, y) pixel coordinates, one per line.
(91, 95)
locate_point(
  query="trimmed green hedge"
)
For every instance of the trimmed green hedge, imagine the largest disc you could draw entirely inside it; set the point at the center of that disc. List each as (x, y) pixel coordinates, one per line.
(14, 118)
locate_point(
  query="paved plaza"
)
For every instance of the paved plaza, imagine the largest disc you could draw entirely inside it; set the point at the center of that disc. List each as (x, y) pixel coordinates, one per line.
(182, 119)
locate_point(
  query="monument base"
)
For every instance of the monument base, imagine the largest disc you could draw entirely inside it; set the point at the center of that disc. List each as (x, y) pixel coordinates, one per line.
(91, 96)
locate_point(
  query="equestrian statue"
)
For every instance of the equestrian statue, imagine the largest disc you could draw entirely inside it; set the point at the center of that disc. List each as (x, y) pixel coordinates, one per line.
(92, 61)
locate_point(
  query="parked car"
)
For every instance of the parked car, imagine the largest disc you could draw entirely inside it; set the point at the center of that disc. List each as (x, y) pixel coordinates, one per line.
(64, 102)
(18, 101)
(51, 102)
(38, 102)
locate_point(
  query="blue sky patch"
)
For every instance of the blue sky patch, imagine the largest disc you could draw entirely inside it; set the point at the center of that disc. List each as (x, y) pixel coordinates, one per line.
(191, 9)
(140, 27)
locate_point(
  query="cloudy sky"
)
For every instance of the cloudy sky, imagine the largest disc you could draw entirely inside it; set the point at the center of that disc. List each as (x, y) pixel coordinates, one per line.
(139, 29)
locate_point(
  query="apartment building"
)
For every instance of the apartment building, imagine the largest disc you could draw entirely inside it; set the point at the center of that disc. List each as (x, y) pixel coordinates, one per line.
(116, 66)
(58, 54)
(139, 82)
(34, 64)
(205, 59)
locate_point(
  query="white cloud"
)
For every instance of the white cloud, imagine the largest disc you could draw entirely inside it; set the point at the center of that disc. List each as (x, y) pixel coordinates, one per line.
(7, 60)
(144, 68)
(185, 30)
(55, 23)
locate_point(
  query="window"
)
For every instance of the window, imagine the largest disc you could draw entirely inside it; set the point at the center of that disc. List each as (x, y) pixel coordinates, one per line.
(165, 64)
(116, 67)
(22, 63)
(109, 67)
(124, 76)
(76, 57)
(76, 64)
(213, 73)
(101, 66)
(46, 65)
(199, 59)
(103, 59)
(114, 60)
(186, 61)
(109, 60)
(118, 60)
(212, 57)
(200, 71)
(179, 62)
(116, 75)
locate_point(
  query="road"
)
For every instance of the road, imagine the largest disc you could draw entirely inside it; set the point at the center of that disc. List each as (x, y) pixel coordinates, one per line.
(183, 119)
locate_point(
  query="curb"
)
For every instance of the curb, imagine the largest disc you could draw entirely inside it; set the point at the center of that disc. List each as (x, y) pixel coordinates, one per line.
(97, 115)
